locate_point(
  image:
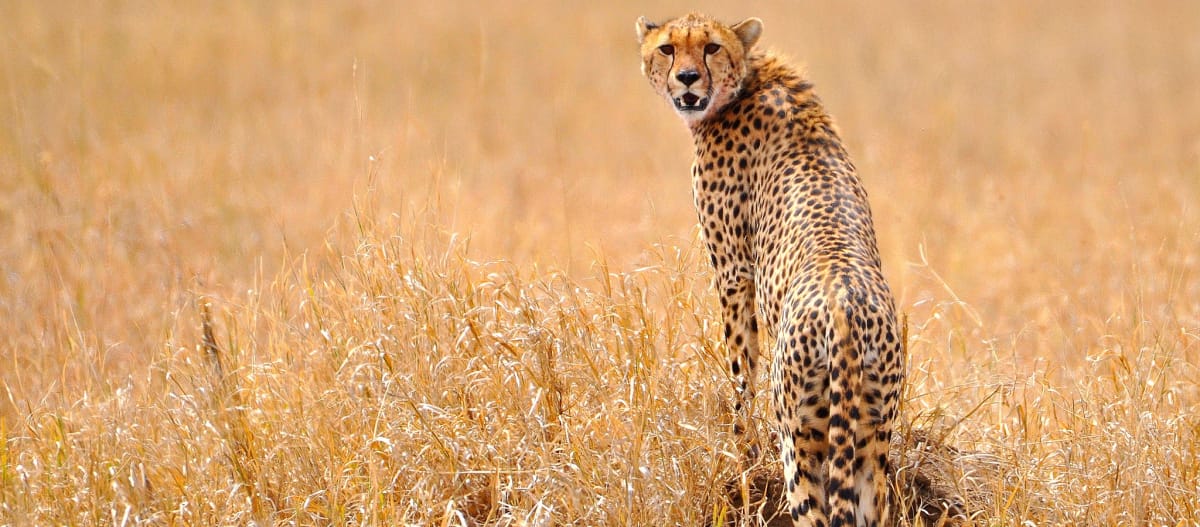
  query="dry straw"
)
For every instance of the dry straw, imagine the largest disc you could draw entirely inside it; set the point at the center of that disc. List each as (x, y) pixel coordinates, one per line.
(368, 263)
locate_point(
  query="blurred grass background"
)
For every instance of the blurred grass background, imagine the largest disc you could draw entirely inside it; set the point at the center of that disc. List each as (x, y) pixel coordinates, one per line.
(1034, 172)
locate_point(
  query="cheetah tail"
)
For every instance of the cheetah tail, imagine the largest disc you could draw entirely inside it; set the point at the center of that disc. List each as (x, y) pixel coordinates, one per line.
(845, 371)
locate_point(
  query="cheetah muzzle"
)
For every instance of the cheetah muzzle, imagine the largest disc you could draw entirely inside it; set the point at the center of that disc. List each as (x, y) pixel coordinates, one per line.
(690, 102)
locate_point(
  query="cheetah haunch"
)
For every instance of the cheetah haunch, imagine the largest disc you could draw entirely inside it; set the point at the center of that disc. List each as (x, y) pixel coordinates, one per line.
(789, 232)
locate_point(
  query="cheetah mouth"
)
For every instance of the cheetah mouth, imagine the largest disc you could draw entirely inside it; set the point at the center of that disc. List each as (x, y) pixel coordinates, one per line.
(690, 102)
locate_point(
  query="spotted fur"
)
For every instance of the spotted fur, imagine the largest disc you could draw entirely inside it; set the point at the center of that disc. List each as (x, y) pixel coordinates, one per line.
(790, 235)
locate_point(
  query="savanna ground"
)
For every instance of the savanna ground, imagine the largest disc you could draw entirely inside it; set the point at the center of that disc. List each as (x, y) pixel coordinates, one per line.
(449, 259)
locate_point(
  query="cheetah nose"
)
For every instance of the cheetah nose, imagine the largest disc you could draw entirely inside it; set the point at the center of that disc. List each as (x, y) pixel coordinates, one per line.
(687, 77)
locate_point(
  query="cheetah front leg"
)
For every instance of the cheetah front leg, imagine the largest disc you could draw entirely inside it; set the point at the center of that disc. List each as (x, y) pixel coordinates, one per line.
(741, 340)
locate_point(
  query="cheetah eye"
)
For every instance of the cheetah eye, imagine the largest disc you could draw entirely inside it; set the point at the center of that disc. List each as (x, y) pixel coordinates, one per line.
(667, 49)
(712, 48)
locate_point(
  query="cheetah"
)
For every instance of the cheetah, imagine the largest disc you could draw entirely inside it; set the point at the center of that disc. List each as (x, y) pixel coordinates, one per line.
(789, 233)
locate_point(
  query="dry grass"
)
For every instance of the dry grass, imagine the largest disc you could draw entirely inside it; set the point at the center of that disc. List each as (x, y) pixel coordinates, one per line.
(447, 257)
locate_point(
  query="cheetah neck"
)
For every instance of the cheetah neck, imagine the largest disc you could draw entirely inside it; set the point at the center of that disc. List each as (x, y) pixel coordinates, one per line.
(768, 72)
(767, 69)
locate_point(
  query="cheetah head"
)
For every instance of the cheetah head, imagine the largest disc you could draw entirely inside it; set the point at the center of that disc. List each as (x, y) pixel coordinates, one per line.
(697, 63)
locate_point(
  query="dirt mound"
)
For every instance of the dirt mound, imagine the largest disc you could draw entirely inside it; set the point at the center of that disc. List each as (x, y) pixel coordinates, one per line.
(933, 484)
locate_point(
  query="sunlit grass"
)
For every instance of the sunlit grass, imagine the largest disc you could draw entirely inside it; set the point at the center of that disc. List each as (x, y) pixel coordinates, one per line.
(446, 258)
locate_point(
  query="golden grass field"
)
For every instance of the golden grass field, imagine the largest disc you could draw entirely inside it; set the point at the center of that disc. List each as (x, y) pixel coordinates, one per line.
(453, 277)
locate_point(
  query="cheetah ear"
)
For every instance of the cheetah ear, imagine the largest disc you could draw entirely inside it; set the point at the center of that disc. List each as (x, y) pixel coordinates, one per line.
(643, 27)
(748, 31)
